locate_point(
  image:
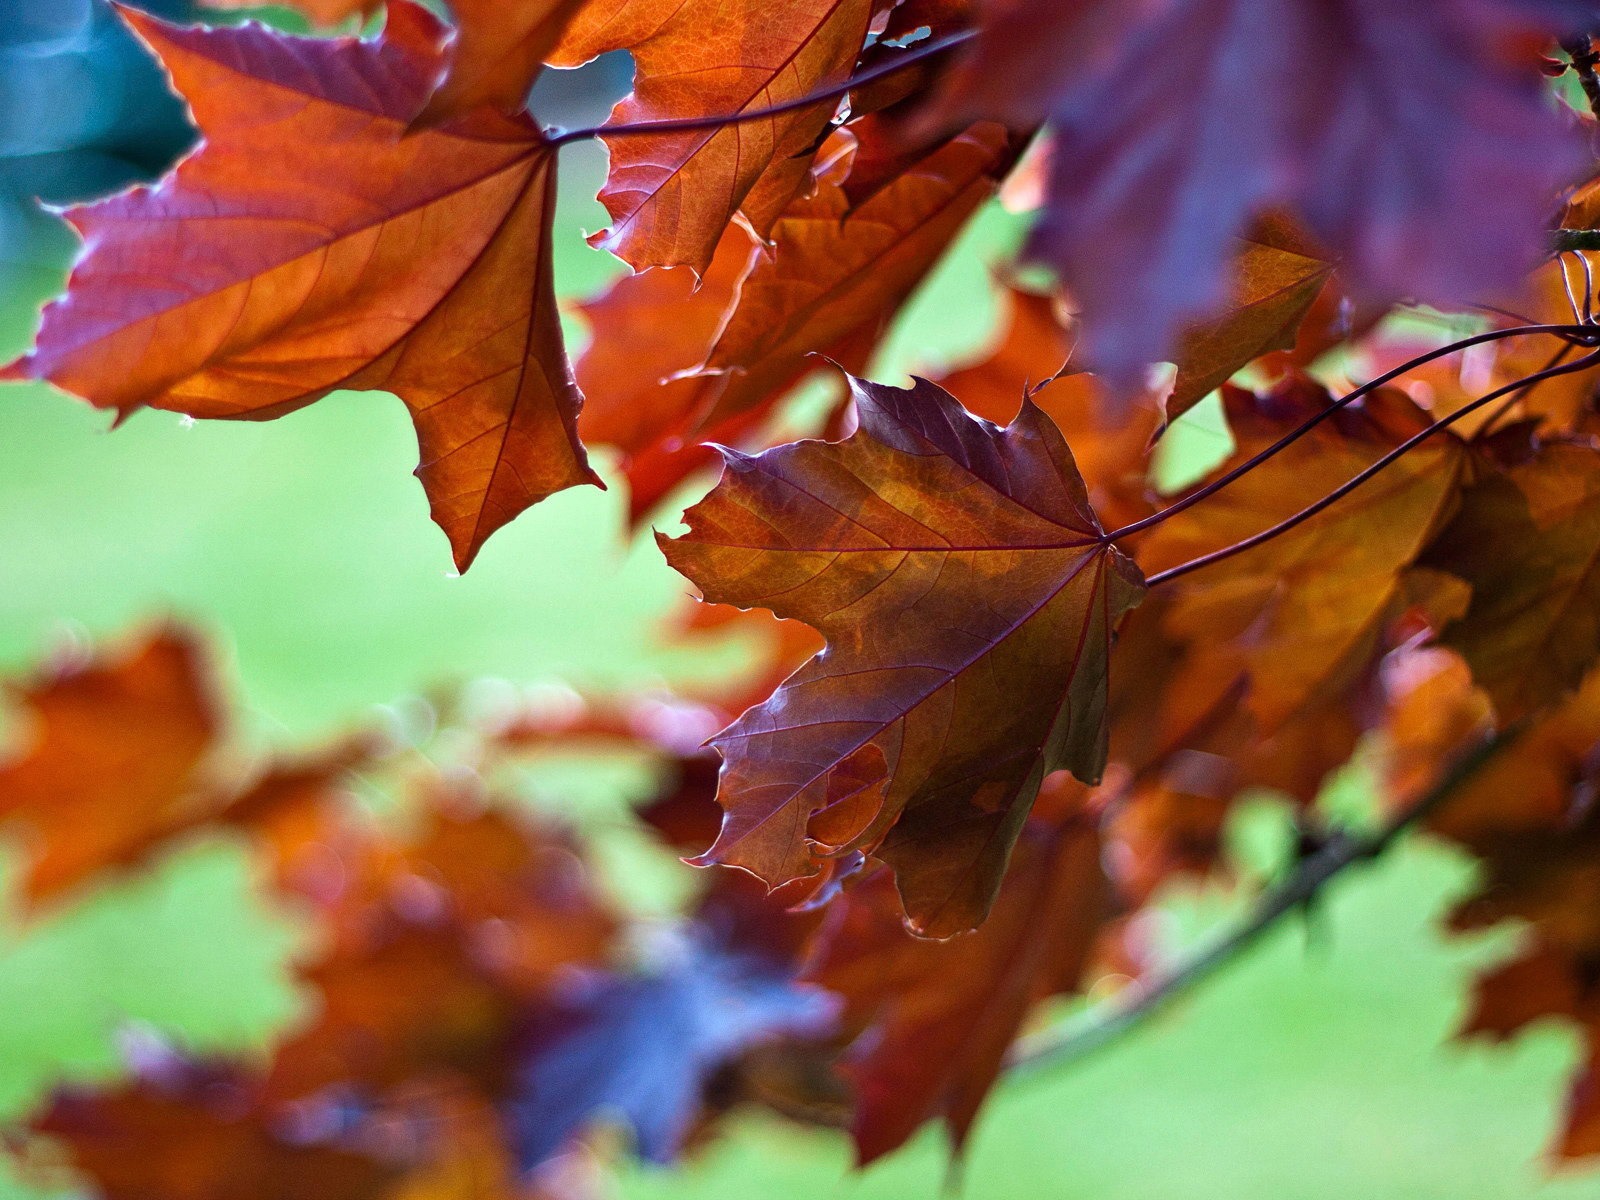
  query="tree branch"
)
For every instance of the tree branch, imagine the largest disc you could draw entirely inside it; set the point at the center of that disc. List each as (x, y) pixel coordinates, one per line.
(723, 120)
(1074, 1040)
(1563, 240)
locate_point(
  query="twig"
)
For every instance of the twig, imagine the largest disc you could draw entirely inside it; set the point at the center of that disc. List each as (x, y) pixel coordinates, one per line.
(1077, 1039)
(1563, 240)
(1350, 485)
(723, 120)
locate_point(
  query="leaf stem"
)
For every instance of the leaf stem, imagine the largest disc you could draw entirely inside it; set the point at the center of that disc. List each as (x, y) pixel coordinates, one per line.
(1576, 334)
(1389, 459)
(1074, 1040)
(911, 58)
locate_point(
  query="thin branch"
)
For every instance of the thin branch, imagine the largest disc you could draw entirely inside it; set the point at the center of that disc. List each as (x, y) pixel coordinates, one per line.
(1576, 334)
(1389, 459)
(723, 120)
(1077, 1039)
(1581, 51)
(1563, 240)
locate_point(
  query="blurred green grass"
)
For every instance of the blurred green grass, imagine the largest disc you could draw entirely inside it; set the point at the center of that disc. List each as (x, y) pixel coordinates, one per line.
(304, 546)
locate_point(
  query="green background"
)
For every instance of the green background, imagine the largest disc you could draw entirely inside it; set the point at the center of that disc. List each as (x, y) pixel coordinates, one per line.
(1315, 1069)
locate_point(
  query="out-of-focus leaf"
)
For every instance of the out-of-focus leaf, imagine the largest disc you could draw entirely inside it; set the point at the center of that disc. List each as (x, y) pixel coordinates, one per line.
(1412, 139)
(643, 1048)
(112, 760)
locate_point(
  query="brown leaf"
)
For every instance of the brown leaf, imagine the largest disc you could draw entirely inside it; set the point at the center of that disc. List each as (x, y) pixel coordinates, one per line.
(1034, 345)
(1429, 173)
(1302, 614)
(830, 282)
(112, 761)
(670, 196)
(935, 1019)
(1529, 814)
(307, 246)
(957, 573)
(1528, 542)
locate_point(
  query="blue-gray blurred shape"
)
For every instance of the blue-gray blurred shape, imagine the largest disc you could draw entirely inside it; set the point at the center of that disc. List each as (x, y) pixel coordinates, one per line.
(84, 112)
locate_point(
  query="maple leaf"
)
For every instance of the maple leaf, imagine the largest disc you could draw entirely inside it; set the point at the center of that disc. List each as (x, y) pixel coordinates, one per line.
(633, 369)
(671, 195)
(417, 1005)
(307, 246)
(968, 601)
(1303, 613)
(112, 760)
(600, 1052)
(1528, 542)
(1410, 139)
(296, 815)
(936, 1018)
(437, 944)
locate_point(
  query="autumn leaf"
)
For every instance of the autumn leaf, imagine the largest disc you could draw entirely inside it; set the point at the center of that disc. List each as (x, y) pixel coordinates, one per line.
(296, 814)
(1409, 139)
(1528, 542)
(934, 1020)
(111, 759)
(1304, 613)
(599, 1054)
(1033, 346)
(671, 195)
(639, 399)
(307, 246)
(1528, 815)
(968, 600)
(195, 1132)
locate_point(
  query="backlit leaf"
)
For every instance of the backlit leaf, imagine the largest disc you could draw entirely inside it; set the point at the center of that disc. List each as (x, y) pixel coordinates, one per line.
(968, 603)
(307, 246)
(671, 195)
